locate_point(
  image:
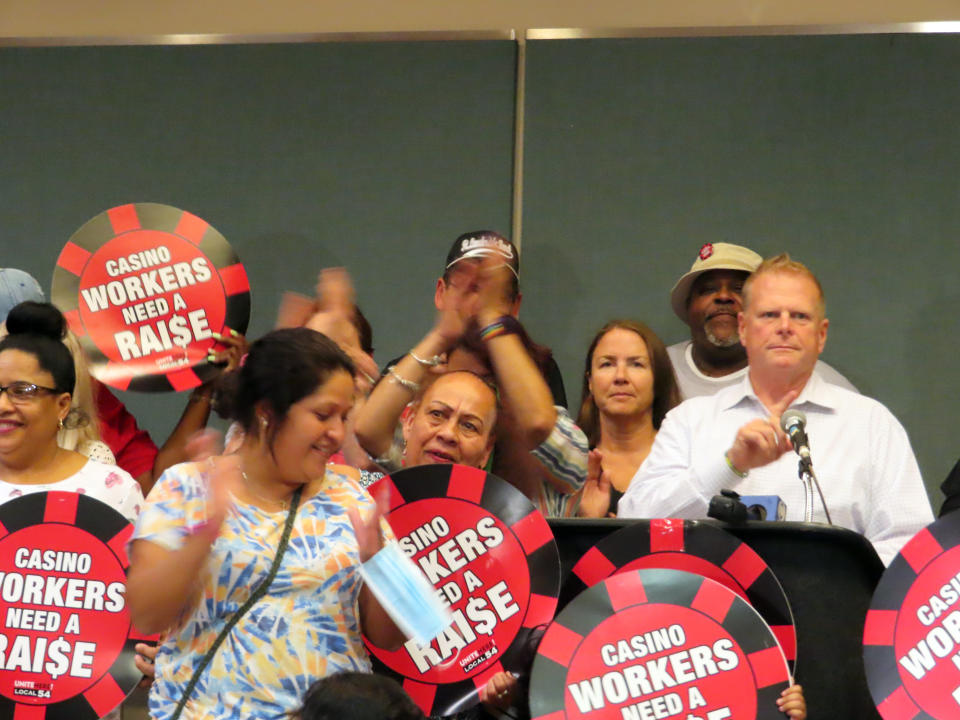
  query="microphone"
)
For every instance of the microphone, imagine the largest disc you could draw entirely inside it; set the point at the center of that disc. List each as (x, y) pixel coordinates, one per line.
(793, 422)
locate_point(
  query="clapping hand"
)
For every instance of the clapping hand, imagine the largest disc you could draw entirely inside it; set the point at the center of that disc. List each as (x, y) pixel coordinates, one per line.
(367, 529)
(595, 494)
(223, 476)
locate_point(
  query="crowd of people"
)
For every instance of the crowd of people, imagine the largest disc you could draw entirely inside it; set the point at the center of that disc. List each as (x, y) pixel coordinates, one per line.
(245, 558)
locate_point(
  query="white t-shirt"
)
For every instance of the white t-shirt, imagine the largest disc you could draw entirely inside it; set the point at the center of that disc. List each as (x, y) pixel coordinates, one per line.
(694, 383)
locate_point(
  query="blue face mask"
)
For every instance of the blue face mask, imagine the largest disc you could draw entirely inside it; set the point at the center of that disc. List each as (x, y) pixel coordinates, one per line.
(406, 595)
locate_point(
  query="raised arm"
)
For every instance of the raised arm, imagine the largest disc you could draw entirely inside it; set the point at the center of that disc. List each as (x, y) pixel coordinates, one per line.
(761, 441)
(523, 390)
(162, 580)
(197, 411)
(376, 421)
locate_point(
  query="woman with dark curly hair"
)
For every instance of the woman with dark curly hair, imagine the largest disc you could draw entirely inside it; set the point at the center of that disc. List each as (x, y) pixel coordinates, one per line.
(250, 561)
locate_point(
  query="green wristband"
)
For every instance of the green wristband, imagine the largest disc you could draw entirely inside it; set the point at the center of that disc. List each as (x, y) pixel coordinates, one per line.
(740, 473)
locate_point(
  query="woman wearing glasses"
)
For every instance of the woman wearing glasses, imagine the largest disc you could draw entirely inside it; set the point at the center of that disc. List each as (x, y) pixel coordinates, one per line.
(37, 380)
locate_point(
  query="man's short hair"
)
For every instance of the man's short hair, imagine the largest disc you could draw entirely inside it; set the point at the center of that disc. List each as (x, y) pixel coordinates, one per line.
(786, 265)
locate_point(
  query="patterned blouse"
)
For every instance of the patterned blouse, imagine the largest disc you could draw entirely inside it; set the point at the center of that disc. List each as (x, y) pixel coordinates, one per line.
(107, 483)
(305, 627)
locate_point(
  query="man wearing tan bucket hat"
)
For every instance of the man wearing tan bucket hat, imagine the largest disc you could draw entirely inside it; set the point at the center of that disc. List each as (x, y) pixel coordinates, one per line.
(707, 299)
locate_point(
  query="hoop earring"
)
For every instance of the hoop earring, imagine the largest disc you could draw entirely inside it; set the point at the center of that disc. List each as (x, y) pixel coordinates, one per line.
(60, 424)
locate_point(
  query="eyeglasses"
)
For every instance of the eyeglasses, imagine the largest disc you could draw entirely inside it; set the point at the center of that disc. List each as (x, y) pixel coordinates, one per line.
(24, 392)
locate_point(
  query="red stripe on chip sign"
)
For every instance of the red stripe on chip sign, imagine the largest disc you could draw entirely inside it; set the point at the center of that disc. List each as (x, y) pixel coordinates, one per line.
(145, 286)
(66, 649)
(692, 546)
(656, 644)
(492, 559)
(911, 637)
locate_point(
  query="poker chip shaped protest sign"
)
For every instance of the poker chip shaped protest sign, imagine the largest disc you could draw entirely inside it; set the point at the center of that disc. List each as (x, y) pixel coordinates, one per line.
(144, 286)
(692, 546)
(911, 637)
(66, 650)
(658, 643)
(493, 560)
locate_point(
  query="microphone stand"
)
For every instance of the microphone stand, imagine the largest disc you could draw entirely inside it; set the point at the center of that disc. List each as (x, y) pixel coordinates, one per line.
(792, 423)
(805, 471)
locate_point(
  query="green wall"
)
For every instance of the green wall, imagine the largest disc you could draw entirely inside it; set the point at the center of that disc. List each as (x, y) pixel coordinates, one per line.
(374, 156)
(843, 151)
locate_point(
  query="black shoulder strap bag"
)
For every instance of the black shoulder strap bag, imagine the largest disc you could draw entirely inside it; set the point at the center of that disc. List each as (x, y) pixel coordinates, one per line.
(258, 593)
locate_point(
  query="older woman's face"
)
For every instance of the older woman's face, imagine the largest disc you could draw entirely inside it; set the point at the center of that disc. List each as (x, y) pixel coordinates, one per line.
(453, 423)
(621, 376)
(27, 423)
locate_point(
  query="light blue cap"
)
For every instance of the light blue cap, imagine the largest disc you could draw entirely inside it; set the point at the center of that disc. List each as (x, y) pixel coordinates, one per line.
(17, 286)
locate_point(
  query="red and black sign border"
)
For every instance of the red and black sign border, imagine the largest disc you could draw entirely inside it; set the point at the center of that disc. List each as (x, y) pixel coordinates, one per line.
(534, 535)
(731, 557)
(163, 218)
(664, 586)
(113, 530)
(889, 693)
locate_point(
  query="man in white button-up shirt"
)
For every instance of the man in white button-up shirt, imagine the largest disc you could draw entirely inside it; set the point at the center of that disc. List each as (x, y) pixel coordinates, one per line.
(861, 453)
(708, 299)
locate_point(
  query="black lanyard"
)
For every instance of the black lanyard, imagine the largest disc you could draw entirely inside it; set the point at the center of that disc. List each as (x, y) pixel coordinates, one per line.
(258, 593)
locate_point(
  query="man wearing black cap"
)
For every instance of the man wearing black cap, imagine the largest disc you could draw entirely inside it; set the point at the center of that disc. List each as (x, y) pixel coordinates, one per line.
(708, 299)
(474, 246)
(538, 448)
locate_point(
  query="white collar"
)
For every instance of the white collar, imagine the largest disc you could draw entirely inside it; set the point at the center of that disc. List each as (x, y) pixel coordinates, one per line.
(816, 393)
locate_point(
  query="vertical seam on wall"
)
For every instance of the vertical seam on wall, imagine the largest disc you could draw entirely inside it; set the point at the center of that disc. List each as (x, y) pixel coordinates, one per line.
(516, 220)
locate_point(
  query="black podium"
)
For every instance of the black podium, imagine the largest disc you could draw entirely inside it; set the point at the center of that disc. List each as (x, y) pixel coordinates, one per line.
(828, 574)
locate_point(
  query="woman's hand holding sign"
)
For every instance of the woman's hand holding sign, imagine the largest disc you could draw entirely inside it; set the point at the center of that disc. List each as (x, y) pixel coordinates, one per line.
(792, 703)
(144, 660)
(500, 691)
(235, 347)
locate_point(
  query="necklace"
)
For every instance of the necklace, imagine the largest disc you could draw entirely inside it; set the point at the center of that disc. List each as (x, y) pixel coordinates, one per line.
(246, 481)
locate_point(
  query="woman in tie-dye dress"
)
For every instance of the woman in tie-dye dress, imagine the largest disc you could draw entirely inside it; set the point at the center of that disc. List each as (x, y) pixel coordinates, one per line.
(210, 529)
